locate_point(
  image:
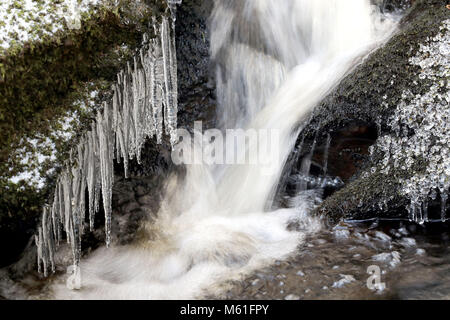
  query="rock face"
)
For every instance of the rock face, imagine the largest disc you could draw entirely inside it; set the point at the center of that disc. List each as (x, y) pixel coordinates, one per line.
(362, 108)
(392, 5)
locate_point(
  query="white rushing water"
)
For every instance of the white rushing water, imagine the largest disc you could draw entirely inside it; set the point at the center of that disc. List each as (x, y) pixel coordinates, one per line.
(275, 60)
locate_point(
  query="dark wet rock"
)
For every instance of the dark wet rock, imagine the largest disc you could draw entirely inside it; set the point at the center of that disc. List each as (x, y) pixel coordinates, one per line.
(337, 269)
(130, 207)
(140, 191)
(393, 5)
(354, 114)
(123, 196)
(147, 199)
(26, 262)
(15, 233)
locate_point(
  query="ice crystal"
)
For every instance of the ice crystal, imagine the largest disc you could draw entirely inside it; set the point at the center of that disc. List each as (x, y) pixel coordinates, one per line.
(421, 129)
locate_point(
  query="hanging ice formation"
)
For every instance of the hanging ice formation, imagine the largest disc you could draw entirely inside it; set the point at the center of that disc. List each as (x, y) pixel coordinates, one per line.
(144, 103)
(421, 130)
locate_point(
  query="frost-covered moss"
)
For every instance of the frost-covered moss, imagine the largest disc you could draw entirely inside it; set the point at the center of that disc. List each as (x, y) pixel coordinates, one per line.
(421, 129)
(27, 20)
(369, 96)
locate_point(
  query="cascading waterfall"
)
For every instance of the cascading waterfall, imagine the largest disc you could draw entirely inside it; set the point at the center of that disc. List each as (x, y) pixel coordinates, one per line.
(275, 61)
(314, 43)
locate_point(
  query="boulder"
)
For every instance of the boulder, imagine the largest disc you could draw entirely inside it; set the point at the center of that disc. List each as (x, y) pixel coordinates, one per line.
(370, 107)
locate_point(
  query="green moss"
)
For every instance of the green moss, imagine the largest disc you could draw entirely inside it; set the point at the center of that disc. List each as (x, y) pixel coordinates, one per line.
(361, 198)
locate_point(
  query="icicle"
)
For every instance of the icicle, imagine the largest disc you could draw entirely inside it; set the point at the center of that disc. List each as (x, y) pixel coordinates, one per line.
(292, 162)
(43, 244)
(55, 216)
(44, 240)
(143, 107)
(126, 119)
(115, 104)
(117, 145)
(91, 177)
(167, 98)
(62, 209)
(67, 186)
(129, 116)
(74, 280)
(106, 167)
(135, 108)
(327, 147)
(171, 108)
(82, 160)
(419, 217)
(149, 69)
(38, 240)
(121, 145)
(157, 91)
(97, 190)
(119, 115)
(425, 210)
(174, 74)
(444, 198)
(306, 167)
(139, 107)
(48, 240)
(76, 222)
(412, 212)
(97, 181)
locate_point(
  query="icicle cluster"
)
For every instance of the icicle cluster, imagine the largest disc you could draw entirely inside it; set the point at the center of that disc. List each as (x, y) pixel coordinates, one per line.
(421, 124)
(144, 98)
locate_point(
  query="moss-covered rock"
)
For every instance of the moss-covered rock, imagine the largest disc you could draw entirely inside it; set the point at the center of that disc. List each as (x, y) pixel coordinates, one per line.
(368, 97)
